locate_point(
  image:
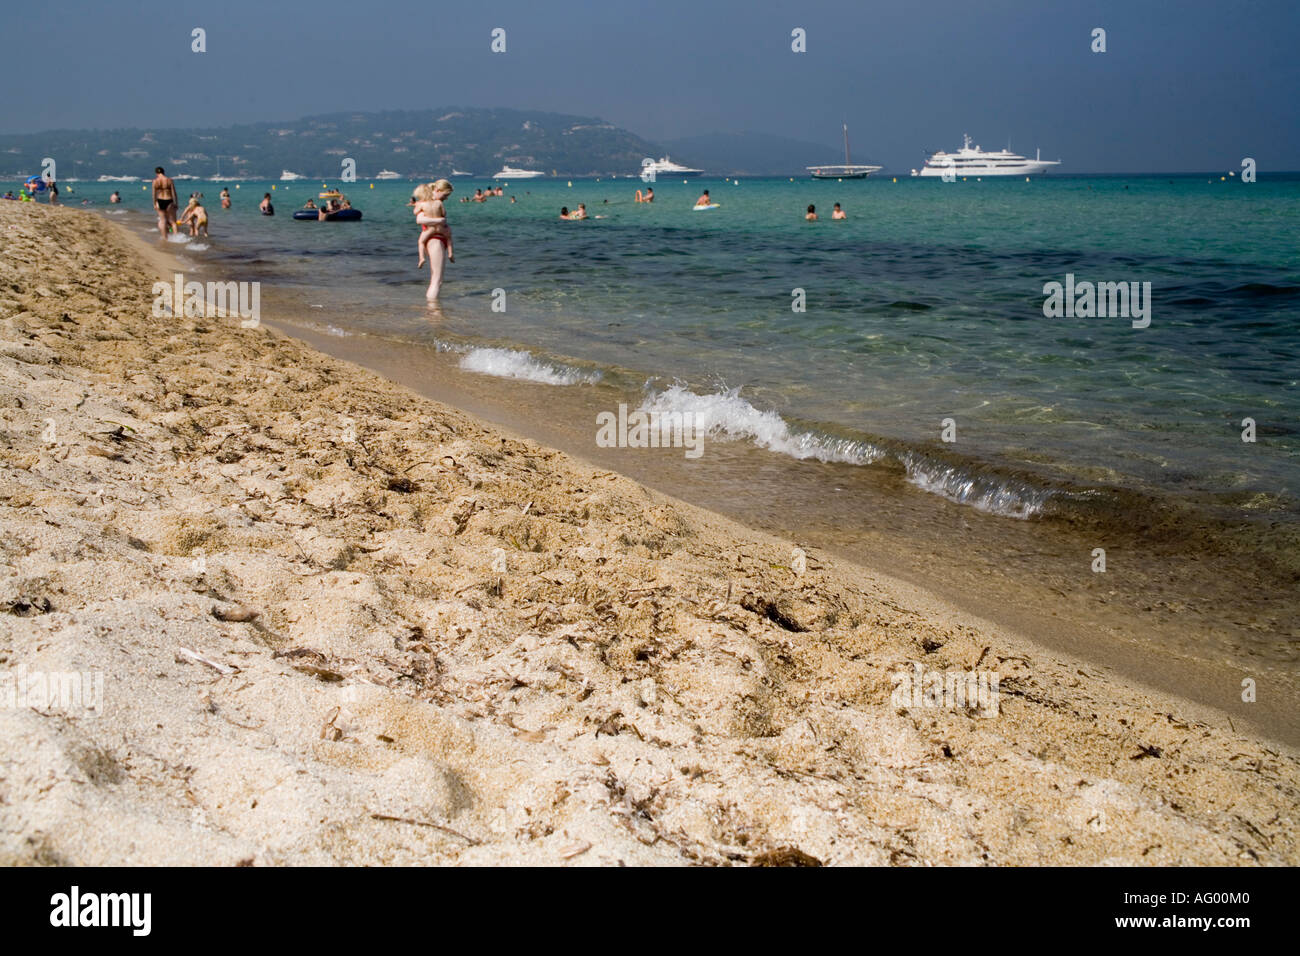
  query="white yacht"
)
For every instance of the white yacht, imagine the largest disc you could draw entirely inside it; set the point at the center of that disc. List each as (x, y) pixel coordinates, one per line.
(845, 171)
(118, 179)
(288, 177)
(387, 174)
(512, 172)
(654, 168)
(973, 161)
(460, 172)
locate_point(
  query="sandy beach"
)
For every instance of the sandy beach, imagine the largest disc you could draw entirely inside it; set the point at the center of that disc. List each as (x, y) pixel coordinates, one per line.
(339, 623)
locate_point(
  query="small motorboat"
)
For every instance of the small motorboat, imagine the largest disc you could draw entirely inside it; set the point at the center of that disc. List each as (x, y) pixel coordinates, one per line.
(331, 200)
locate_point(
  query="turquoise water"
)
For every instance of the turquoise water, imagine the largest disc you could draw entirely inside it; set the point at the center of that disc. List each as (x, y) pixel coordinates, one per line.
(925, 305)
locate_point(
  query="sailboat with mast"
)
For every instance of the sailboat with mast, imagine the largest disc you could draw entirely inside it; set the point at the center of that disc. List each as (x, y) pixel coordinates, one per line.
(846, 171)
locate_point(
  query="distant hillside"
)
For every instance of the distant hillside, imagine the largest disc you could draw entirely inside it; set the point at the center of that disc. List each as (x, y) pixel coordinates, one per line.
(415, 143)
(757, 154)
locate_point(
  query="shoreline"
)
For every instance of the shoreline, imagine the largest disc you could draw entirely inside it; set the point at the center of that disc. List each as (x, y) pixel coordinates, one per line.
(1102, 634)
(672, 690)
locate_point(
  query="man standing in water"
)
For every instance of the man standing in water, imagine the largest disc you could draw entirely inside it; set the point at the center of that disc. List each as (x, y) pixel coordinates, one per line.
(164, 200)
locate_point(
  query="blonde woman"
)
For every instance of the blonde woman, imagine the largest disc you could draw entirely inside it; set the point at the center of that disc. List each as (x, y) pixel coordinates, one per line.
(436, 234)
(432, 217)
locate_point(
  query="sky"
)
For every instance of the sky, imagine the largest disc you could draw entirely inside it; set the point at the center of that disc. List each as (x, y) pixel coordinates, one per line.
(1183, 85)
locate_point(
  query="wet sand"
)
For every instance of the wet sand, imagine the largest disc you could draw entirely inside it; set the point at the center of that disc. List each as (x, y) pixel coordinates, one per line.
(340, 623)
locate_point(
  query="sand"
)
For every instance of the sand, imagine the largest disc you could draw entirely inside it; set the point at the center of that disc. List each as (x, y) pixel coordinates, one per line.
(338, 623)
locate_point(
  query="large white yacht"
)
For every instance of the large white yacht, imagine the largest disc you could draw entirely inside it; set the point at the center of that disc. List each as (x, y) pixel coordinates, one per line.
(973, 161)
(651, 169)
(287, 177)
(387, 174)
(512, 172)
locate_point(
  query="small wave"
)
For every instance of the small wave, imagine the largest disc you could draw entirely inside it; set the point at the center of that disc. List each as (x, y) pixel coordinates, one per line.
(509, 363)
(1265, 289)
(726, 415)
(198, 247)
(179, 238)
(997, 495)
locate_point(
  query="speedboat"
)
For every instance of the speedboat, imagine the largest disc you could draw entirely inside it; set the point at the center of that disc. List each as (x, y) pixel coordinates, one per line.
(338, 215)
(288, 177)
(513, 172)
(973, 161)
(388, 174)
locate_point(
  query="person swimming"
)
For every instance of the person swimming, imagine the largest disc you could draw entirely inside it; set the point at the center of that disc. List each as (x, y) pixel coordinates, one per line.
(116, 197)
(704, 199)
(265, 205)
(811, 215)
(225, 198)
(564, 212)
(838, 213)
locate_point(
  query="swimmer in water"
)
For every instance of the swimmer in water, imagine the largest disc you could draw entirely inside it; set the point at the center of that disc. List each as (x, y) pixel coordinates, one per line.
(838, 213)
(811, 215)
(225, 198)
(431, 214)
(564, 212)
(265, 205)
(116, 197)
(580, 212)
(704, 200)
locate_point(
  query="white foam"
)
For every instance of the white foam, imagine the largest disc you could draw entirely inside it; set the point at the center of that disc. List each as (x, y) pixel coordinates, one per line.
(509, 363)
(727, 416)
(997, 496)
(178, 237)
(198, 247)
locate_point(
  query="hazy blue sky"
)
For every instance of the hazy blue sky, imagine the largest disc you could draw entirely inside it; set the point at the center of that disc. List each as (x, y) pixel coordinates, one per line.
(1183, 85)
